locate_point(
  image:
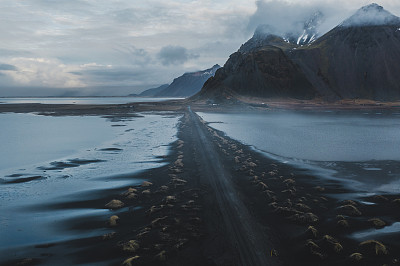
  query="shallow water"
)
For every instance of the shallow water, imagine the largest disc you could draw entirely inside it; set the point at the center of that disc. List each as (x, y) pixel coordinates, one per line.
(83, 100)
(372, 233)
(361, 148)
(72, 156)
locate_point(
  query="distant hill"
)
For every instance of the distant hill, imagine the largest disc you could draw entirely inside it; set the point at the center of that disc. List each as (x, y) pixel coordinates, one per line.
(188, 84)
(184, 86)
(357, 59)
(153, 91)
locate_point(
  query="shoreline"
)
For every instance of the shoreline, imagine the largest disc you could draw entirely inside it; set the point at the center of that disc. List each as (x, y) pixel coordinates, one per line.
(179, 223)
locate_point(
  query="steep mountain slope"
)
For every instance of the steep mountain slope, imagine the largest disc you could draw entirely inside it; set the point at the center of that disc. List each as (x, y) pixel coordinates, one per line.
(357, 59)
(188, 84)
(266, 35)
(264, 72)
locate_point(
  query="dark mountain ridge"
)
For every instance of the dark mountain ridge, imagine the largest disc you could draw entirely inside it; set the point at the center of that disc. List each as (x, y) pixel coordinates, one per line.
(188, 84)
(357, 59)
(153, 91)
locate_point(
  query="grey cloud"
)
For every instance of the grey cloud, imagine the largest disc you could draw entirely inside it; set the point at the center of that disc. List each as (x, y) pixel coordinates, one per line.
(371, 15)
(175, 55)
(135, 56)
(118, 75)
(10, 52)
(121, 76)
(7, 67)
(289, 17)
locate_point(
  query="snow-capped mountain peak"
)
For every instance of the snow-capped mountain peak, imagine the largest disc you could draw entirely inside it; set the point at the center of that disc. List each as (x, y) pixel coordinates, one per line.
(371, 15)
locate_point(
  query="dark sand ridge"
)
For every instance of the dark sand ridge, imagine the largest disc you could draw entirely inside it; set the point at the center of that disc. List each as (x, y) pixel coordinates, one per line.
(220, 203)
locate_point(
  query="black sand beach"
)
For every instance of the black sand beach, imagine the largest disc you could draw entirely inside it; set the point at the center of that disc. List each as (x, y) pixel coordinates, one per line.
(218, 202)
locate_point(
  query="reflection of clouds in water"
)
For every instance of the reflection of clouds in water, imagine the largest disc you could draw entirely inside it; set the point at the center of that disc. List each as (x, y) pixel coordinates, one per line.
(139, 152)
(350, 147)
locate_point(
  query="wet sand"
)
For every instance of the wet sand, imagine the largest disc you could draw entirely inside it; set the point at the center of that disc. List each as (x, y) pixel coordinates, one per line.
(218, 202)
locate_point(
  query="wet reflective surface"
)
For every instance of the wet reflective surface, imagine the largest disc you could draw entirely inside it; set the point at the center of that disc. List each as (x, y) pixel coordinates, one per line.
(361, 148)
(49, 160)
(83, 100)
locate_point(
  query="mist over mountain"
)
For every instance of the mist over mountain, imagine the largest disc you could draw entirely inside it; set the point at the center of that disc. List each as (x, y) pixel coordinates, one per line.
(371, 15)
(357, 59)
(307, 34)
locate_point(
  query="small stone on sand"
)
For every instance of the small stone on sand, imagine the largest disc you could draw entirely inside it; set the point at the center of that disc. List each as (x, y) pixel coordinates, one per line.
(130, 261)
(146, 184)
(113, 220)
(114, 204)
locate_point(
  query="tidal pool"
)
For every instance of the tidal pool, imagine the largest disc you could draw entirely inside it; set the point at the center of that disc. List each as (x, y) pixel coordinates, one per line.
(48, 159)
(359, 147)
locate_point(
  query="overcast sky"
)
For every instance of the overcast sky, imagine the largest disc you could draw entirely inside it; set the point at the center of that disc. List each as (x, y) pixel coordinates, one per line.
(116, 47)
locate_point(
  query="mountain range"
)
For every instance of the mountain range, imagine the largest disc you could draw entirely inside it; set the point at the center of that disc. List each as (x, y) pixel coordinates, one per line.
(184, 86)
(356, 59)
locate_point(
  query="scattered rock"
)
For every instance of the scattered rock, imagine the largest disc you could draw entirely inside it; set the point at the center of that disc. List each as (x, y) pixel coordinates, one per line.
(146, 184)
(164, 188)
(317, 254)
(313, 248)
(350, 210)
(251, 164)
(303, 207)
(131, 261)
(255, 180)
(129, 191)
(262, 185)
(289, 182)
(340, 217)
(178, 181)
(131, 196)
(130, 246)
(291, 192)
(380, 198)
(143, 233)
(114, 204)
(179, 163)
(170, 199)
(329, 239)
(320, 189)
(396, 201)
(181, 243)
(161, 256)
(312, 231)
(377, 223)
(343, 223)
(337, 247)
(154, 209)
(374, 247)
(146, 192)
(305, 218)
(108, 236)
(324, 199)
(157, 222)
(356, 257)
(349, 202)
(333, 243)
(113, 221)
